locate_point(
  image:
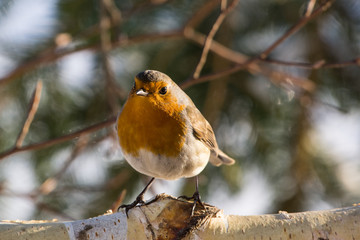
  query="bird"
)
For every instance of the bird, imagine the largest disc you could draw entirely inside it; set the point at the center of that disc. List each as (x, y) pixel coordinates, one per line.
(163, 135)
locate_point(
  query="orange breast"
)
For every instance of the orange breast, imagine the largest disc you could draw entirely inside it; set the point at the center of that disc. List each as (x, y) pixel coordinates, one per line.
(143, 123)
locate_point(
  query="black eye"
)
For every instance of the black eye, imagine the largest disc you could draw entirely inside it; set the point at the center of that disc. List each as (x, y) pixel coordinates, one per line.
(163, 90)
(134, 85)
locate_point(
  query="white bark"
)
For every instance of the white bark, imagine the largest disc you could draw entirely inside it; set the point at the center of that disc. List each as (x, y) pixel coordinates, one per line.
(169, 218)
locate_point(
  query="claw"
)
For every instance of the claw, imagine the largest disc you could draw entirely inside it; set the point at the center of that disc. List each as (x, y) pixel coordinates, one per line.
(197, 200)
(195, 197)
(139, 199)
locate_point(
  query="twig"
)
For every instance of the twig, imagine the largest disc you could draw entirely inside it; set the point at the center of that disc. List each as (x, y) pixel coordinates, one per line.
(201, 13)
(216, 47)
(236, 57)
(61, 139)
(53, 54)
(115, 206)
(114, 12)
(264, 54)
(32, 111)
(105, 48)
(317, 65)
(51, 183)
(224, 12)
(310, 7)
(323, 7)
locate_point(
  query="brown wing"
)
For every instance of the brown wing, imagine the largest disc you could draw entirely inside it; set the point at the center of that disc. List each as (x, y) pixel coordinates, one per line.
(203, 131)
(201, 128)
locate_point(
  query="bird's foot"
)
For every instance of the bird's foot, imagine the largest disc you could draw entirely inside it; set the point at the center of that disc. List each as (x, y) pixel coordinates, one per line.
(197, 201)
(138, 201)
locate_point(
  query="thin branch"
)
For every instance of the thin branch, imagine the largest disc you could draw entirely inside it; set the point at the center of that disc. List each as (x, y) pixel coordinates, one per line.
(117, 203)
(236, 57)
(264, 54)
(322, 8)
(53, 53)
(212, 76)
(310, 7)
(317, 65)
(61, 139)
(201, 13)
(105, 48)
(51, 183)
(225, 11)
(114, 12)
(30, 117)
(216, 47)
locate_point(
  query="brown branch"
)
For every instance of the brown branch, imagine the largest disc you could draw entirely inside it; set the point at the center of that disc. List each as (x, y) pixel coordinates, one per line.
(50, 183)
(53, 53)
(112, 90)
(317, 65)
(310, 7)
(117, 203)
(262, 55)
(201, 13)
(303, 21)
(240, 58)
(224, 12)
(114, 12)
(236, 57)
(31, 113)
(212, 76)
(50, 55)
(216, 47)
(61, 139)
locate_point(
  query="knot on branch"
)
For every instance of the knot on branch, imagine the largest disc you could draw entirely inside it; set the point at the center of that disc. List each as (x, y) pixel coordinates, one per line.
(167, 217)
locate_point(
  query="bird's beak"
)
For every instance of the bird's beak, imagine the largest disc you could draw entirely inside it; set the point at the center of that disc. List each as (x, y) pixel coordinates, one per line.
(141, 92)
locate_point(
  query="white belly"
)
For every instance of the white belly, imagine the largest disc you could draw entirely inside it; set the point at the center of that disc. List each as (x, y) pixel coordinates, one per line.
(191, 161)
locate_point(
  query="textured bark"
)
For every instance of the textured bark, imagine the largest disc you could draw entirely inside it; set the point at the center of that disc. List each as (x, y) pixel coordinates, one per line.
(168, 218)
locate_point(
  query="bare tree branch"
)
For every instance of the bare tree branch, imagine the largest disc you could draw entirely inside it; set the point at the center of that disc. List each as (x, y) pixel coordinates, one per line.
(51, 183)
(61, 139)
(274, 75)
(53, 53)
(317, 65)
(302, 22)
(209, 38)
(112, 90)
(310, 7)
(30, 116)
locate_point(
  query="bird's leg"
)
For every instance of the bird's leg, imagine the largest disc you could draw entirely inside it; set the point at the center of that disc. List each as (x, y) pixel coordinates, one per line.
(195, 197)
(139, 198)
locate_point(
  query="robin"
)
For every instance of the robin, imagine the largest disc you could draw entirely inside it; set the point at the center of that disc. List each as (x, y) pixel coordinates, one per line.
(163, 135)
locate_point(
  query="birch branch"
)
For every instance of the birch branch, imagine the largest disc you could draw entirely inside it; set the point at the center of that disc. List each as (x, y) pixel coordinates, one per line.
(166, 217)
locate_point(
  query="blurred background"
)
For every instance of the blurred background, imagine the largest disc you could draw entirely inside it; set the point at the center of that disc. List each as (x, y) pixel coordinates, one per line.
(291, 120)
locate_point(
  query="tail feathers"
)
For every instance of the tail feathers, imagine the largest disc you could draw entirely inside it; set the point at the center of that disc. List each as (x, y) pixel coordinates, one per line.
(218, 157)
